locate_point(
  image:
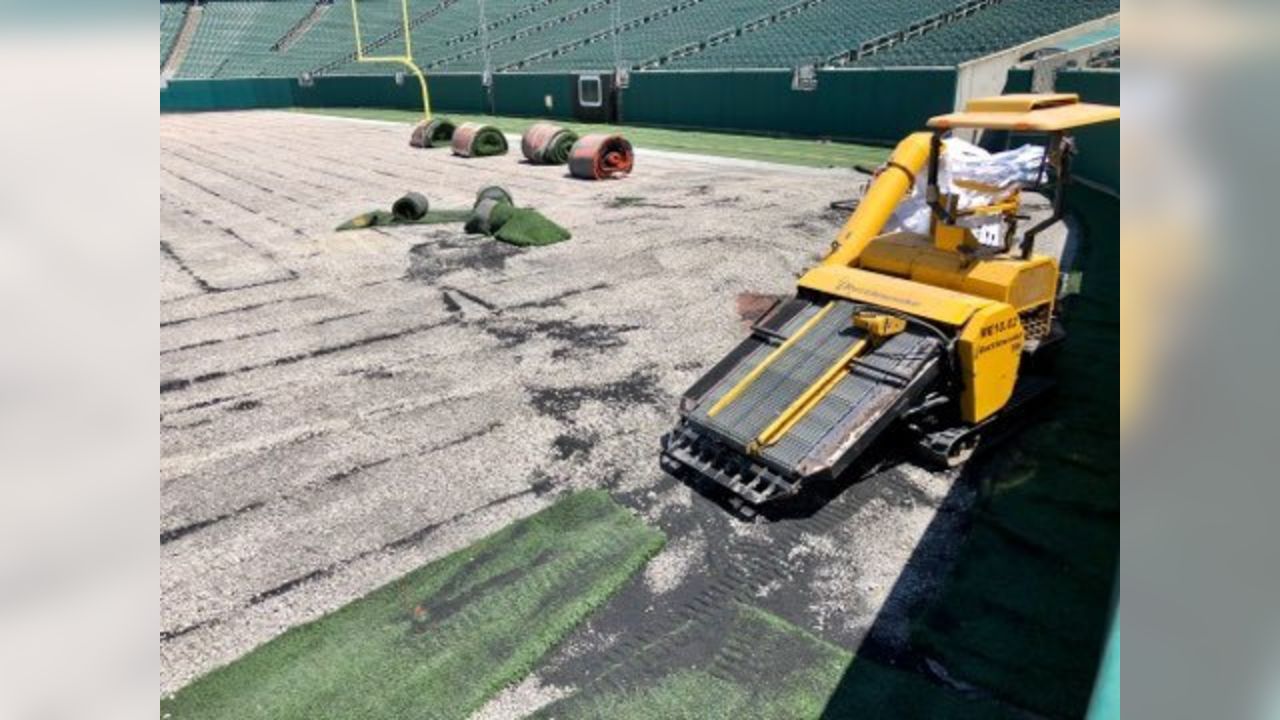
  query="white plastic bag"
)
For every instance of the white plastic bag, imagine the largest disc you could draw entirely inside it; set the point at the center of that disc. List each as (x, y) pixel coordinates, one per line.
(1003, 172)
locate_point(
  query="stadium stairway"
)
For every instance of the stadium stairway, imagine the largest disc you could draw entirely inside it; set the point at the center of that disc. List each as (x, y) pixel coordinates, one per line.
(298, 30)
(172, 16)
(182, 43)
(235, 36)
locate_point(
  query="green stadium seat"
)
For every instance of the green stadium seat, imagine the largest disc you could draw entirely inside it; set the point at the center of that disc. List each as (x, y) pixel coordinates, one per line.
(814, 34)
(1000, 26)
(234, 38)
(657, 37)
(241, 38)
(171, 17)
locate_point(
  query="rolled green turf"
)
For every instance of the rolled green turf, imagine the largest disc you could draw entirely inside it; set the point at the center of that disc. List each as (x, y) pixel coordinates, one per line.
(479, 140)
(440, 641)
(489, 140)
(548, 144)
(557, 153)
(431, 133)
(757, 666)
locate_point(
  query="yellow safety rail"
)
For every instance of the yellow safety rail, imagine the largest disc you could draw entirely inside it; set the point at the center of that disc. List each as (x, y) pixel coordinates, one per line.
(406, 59)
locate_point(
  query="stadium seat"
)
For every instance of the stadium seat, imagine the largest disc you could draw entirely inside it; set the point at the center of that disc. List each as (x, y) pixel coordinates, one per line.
(171, 16)
(243, 38)
(1003, 25)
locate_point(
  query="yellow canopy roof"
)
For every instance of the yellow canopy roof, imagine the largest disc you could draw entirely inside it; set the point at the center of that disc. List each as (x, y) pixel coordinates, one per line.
(1037, 112)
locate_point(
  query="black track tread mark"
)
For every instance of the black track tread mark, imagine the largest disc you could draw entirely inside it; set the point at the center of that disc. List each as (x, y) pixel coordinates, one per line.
(172, 255)
(239, 309)
(747, 566)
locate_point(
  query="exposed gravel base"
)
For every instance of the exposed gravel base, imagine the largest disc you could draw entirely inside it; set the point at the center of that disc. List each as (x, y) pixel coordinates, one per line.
(338, 408)
(520, 700)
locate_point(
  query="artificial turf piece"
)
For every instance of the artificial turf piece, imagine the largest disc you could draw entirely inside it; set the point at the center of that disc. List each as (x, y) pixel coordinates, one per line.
(383, 218)
(758, 667)
(789, 151)
(440, 641)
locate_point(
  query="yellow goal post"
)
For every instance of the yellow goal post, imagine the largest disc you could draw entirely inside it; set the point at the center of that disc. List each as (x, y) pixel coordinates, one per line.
(405, 60)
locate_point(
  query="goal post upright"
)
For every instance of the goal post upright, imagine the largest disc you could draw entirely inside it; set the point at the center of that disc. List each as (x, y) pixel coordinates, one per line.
(405, 60)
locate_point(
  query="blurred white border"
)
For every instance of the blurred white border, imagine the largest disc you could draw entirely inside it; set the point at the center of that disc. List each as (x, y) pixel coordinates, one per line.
(79, 449)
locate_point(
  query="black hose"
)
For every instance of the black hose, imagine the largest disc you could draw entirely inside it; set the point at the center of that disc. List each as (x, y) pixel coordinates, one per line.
(948, 341)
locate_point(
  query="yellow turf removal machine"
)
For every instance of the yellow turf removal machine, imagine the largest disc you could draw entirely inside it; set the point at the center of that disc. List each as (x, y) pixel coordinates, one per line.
(929, 332)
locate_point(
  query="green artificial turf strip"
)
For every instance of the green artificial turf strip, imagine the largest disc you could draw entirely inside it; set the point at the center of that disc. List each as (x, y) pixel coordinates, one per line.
(1025, 612)
(529, 228)
(384, 218)
(809, 153)
(440, 641)
(761, 667)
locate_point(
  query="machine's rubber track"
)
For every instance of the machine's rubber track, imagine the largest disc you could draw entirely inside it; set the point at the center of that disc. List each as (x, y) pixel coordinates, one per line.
(793, 346)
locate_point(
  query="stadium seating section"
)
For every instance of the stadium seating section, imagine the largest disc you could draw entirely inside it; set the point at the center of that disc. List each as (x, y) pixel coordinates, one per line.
(1003, 25)
(287, 38)
(815, 34)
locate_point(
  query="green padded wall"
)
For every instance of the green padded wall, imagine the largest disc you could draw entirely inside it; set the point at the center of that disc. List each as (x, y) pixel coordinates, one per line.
(1099, 146)
(1099, 158)
(200, 95)
(525, 94)
(872, 105)
(460, 93)
(1018, 81)
(359, 91)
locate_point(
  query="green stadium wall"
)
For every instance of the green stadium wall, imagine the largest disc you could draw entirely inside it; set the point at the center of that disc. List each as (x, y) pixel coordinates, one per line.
(525, 94)
(872, 105)
(869, 105)
(203, 95)
(1099, 146)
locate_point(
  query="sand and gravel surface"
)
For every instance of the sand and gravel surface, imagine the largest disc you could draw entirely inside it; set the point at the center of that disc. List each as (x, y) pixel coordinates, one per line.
(339, 408)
